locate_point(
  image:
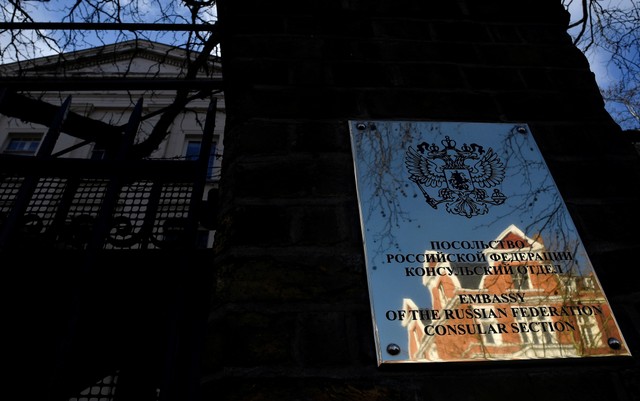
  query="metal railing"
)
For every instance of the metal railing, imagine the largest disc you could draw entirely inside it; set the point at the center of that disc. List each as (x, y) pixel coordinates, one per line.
(118, 203)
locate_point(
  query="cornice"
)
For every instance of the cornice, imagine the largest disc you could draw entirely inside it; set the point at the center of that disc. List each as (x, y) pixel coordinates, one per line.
(157, 52)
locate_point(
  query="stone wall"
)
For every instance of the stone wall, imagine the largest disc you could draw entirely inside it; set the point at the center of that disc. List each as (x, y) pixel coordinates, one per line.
(290, 318)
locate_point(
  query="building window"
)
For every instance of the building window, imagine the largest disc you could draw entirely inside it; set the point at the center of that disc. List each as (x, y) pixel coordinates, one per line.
(21, 144)
(589, 331)
(98, 152)
(537, 330)
(587, 283)
(443, 295)
(192, 151)
(489, 325)
(489, 337)
(579, 283)
(520, 281)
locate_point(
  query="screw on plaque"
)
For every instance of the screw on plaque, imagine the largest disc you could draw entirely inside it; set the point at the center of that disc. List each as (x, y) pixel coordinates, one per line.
(614, 343)
(521, 129)
(361, 126)
(393, 349)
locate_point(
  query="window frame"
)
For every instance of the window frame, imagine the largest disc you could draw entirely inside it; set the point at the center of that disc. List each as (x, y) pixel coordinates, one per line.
(189, 140)
(27, 137)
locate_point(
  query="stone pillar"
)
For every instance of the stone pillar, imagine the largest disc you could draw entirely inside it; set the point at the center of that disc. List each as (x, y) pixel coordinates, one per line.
(290, 319)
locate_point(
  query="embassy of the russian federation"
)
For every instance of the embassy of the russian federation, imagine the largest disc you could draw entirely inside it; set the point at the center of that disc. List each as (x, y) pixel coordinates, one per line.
(418, 200)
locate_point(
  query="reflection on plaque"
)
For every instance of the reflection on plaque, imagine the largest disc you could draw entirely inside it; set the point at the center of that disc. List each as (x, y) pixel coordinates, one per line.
(471, 253)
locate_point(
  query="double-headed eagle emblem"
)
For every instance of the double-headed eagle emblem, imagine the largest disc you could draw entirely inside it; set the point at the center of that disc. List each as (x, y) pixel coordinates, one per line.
(461, 174)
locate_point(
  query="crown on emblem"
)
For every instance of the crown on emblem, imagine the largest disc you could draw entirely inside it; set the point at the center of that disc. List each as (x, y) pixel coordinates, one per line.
(448, 143)
(465, 151)
(461, 176)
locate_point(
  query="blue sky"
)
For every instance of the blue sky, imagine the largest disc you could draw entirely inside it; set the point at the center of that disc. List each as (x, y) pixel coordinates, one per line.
(150, 11)
(53, 10)
(606, 73)
(598, 60)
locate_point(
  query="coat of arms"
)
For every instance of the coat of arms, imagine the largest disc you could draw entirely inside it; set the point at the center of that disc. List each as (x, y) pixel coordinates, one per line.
(462, 174)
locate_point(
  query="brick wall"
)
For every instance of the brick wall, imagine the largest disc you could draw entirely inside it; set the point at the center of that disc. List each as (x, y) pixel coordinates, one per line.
(290, 318)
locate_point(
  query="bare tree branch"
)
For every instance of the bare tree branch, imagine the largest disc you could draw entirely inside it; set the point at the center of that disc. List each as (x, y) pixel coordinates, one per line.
(613, 31)
(21, 45)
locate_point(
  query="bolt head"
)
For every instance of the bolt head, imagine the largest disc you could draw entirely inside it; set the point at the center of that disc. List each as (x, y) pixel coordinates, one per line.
(614, 343)
(393, 349)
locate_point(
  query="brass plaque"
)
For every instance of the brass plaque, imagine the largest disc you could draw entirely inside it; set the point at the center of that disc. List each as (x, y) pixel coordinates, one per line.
(470, 251)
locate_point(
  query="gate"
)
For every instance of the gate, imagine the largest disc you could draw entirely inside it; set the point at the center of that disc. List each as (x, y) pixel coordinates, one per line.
(106, 270)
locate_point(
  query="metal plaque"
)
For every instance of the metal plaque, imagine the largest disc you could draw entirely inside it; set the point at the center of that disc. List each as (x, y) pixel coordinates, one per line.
(470, 251)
